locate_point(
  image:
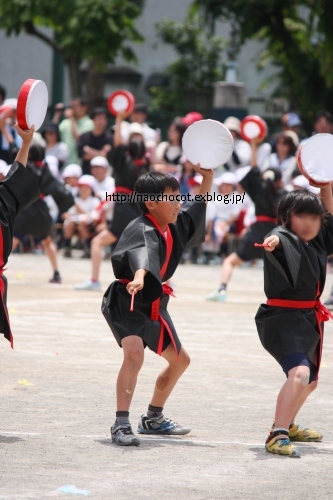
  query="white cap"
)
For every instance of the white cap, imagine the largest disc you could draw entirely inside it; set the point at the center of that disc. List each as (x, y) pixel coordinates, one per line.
(226, 178)
(87, 180)
(99, 161)
(135, 128)
(11, 102)
(72, 170)
(232, 123)
(4, 167)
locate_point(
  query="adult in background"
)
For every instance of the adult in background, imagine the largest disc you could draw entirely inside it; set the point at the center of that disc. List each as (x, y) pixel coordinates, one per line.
(170, 152)
(53, 144)
(76, 122)
(284, 159)
(139, 115)
(97, 142)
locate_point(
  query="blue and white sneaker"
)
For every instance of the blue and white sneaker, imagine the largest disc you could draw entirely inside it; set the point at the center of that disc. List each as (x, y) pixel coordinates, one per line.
(161, 425)
(122, 435)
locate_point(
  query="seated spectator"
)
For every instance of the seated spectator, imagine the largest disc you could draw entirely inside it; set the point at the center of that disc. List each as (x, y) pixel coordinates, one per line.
(76, 122)
(71, 175)
(97, 142)
(100, 170)
(53, 144)
(78, 220)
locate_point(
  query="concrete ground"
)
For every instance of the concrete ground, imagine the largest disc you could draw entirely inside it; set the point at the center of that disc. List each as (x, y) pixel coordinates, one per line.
(58, 397)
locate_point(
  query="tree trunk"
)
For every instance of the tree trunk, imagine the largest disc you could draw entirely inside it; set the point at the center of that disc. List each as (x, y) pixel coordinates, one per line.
(75, 76)
(95, 83)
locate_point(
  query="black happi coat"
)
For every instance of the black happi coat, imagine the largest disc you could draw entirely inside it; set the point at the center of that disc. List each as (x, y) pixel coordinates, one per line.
(296, 272)
(125, 173)
(36, 220)
(141, 246)
(256, 188)
(17, 190)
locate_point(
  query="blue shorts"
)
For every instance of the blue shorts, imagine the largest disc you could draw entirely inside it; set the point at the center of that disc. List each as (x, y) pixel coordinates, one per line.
(299, 359)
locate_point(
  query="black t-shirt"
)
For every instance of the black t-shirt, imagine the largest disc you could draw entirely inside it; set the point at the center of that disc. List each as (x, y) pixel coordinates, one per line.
(95, 142)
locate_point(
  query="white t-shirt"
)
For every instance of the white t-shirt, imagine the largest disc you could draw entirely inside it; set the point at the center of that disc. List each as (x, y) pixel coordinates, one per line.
(223, 211)
(104, 187)
(87, 205)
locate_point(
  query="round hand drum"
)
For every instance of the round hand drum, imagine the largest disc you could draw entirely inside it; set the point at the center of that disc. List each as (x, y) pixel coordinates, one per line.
(209, 143)
(315, 159)
(253, 126)
(121, 100)
(32, 104)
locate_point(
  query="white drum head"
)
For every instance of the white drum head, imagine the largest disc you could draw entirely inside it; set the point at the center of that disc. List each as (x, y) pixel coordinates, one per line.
(32, 104)
(315, 158)
(251, 130)
(209, 143)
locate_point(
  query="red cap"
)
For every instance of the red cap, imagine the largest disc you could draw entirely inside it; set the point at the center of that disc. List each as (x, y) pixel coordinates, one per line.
(191, 118)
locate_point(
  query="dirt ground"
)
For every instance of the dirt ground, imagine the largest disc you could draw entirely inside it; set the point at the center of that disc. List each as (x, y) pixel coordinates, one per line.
(58, 397)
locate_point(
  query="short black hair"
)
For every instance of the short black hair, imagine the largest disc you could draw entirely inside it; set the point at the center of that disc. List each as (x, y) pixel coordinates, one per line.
(324, 114)
(98, 111)
(154, 183)
(3, 92)
(140, 107)
(82, 100)
(299, 201)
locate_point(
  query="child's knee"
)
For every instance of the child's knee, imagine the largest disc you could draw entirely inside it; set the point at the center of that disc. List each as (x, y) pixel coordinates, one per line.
(134, 356)
(301, 375)
(185, 359)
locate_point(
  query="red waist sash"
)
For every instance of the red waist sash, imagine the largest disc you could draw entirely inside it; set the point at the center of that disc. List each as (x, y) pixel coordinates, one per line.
(265, 218)
(156, 316)
(321, 312)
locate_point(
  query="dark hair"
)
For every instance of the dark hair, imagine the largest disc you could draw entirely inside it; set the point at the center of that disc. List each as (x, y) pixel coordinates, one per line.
(290, 143)
(140, 107)
(36, 153)
(299, 202)
(51, 127)
(82, 100)
(2, 92)
(136, 149)
(270, 178)
(154, 183)
(180, 127)
(97, 112)
(324, 114)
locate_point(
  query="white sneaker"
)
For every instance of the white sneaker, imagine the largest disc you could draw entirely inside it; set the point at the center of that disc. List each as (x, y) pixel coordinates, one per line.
(89, 285)
(217, 296)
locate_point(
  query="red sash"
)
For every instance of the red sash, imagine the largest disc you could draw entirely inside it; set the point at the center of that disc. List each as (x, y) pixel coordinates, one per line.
(265, 218)
(321, 312)
(166, 289)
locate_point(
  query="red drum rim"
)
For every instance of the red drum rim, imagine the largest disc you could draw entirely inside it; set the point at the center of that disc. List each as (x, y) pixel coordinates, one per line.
(121, 93)
(27, 95)
(258, 121)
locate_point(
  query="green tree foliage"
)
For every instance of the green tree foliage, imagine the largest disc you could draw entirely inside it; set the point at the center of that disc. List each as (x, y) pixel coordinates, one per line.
(92, 30)
(192, 75)
(299, 40)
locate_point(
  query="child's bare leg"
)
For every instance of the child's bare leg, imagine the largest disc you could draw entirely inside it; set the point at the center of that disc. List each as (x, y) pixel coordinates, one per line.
(228, 266)
(16, 241)
(169, 376)
(51, 252)
(69, 229)
(307, 391)
(289, 396)
(127, 377)
(102, 239)
(83, 231)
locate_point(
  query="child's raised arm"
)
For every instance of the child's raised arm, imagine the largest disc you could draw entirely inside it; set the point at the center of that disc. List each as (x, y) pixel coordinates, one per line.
(326, 197)
(26, 136)
(207, 180)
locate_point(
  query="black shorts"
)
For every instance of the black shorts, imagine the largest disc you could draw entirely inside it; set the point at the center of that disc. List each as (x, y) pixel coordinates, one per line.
(299, 359)
(123, 214)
